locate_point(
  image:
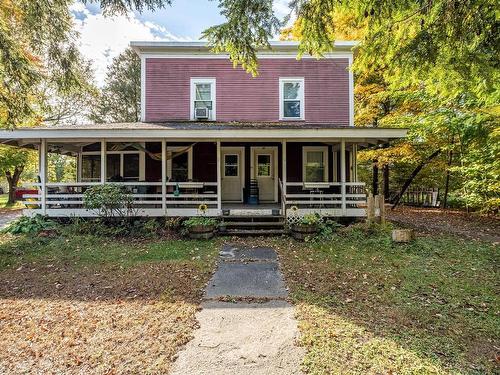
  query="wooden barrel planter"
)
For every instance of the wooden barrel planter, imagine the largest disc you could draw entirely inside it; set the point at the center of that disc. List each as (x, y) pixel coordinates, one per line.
(201, 232)
(301, 232)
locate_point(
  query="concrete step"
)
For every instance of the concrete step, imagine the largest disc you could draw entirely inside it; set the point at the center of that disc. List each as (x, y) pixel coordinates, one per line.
(254, 223)
(252, 232)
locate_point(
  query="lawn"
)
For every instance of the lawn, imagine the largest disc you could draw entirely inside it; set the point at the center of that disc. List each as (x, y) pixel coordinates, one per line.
(87, 304)
(368, 306)
(3, 203)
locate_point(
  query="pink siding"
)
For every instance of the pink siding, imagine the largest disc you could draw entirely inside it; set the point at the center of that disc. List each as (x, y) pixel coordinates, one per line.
(243, 98)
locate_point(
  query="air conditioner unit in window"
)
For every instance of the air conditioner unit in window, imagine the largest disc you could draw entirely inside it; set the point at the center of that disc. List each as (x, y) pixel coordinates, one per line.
(202, 113)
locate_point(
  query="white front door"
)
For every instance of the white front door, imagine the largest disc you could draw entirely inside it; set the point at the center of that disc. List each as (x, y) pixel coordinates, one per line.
(232, 174)
(264, 170)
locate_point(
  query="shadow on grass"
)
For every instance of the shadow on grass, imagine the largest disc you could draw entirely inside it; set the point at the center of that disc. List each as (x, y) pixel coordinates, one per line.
(367, 306)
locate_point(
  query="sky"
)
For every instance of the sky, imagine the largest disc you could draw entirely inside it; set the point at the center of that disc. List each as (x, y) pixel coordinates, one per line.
(103, 38)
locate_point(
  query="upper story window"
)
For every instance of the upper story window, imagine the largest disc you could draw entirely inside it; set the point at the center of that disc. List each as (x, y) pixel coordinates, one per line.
(291, 98)
(203, 99)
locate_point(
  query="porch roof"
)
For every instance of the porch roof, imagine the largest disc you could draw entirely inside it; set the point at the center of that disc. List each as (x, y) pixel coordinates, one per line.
(204, 130)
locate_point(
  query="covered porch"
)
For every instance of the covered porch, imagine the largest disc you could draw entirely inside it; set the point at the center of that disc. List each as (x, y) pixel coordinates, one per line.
(170, 170)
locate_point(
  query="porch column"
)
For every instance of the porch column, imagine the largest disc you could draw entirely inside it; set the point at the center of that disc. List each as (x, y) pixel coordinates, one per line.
(79, 165)
(283, 171)
(219, 179)
(164, 176)
(42, 159)
(342, 177)
(103, 161)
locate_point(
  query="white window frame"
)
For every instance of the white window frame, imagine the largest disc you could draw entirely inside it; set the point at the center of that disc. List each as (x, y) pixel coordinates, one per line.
(213, 93)
(190, 161)
(307, 149)
(142, 162)
(237, 164)
(282, 81)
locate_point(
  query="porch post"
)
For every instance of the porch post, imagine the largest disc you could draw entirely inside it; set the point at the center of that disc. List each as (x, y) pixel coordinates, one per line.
(79, 166)
(103, 161)
(164, 176)
(283, 171)
(342, 177)
(219, 180)
(43, 173)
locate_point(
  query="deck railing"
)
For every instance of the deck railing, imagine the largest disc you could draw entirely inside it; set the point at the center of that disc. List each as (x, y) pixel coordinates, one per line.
(148, 198)
(326, 198)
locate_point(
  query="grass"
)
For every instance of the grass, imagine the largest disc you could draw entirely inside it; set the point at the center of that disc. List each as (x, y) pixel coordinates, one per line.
(90, 304)
(3, 203)
(368, 306)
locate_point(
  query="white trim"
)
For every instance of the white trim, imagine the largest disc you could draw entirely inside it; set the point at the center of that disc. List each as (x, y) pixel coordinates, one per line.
(137, 44)
(104, 160)
(260, 56)
(190, 161)
(351, 93)
(164, 176)
(219, 178)
(213, 96)
(305, 150)
(142, 161)
(343, 176)
(143, 88)
(274, 170)
(305, 133)
(301, 98)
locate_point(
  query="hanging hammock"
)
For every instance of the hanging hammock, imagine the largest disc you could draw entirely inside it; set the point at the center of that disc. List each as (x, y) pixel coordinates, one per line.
(152, 155)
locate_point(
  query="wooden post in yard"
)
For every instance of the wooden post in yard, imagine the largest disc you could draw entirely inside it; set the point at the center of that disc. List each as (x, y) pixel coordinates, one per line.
(370, 208)
(381, 202)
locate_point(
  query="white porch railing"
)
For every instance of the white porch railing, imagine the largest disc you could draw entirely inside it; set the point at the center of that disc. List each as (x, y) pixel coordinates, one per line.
(325, 198)
(149, 199)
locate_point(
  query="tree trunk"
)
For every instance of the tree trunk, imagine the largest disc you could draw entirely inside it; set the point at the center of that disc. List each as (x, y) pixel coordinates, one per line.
(412, 177)
(385, 176)
(375, 178)
(447, 183)
(12, 180)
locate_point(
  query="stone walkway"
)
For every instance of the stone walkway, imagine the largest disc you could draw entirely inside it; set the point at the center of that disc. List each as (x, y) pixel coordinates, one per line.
(255, 332)
(6, 217)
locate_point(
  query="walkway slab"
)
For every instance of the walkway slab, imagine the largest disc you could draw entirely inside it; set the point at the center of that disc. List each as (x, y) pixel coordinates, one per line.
(244, 338)
(252, 279)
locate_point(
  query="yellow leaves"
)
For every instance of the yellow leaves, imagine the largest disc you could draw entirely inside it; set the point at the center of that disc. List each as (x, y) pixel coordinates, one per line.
(400, 152)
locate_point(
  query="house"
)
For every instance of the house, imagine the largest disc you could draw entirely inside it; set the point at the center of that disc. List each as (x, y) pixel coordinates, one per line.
(282, 143)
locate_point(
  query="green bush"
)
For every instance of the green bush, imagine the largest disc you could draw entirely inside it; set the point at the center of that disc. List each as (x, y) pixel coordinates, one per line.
(109, 200)
(199, 221)
(310, 219)
(28, 225)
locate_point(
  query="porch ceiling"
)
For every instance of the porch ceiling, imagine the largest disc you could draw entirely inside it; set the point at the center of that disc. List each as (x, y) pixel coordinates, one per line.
(296, 131)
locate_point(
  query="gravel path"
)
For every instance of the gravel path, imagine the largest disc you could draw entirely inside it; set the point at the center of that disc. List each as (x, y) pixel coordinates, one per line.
(246, 325)
(6, 217)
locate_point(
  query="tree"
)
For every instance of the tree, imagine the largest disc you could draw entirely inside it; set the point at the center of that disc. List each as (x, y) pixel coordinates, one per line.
(37, 45)
(120, 98)
(12, 163)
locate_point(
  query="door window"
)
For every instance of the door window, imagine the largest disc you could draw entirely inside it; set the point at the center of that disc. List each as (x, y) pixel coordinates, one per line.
(263, 165)
(231, 165)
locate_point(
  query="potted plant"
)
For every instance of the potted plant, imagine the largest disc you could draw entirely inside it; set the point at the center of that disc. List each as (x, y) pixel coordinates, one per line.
(306, 226)
(200, 227)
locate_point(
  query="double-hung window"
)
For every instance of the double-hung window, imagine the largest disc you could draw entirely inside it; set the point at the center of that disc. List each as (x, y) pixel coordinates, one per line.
(315, 164)
(203, 99)
(291, 98)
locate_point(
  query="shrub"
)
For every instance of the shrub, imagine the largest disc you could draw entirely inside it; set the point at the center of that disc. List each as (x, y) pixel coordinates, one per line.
(199, 221)
(109, 200)
(35, 224)
(310, 219)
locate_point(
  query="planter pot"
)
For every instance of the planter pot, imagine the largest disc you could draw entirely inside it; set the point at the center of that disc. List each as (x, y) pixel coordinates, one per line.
(301, 231)
(201, 232)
